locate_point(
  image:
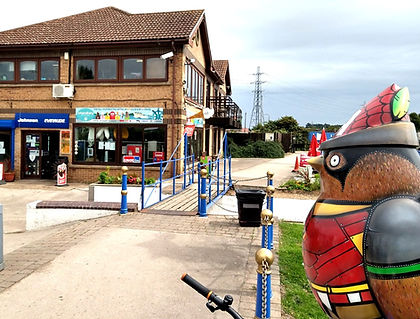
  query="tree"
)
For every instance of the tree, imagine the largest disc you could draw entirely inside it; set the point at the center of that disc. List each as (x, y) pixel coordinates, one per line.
(415, 118)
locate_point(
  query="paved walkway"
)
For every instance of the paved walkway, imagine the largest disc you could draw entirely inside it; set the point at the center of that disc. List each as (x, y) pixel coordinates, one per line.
(129, 266)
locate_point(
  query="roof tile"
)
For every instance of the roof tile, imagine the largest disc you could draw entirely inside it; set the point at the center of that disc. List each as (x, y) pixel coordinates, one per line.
(105, 25)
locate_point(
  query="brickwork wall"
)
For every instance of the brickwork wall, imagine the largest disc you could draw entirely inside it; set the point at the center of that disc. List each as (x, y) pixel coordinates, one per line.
(37, 98)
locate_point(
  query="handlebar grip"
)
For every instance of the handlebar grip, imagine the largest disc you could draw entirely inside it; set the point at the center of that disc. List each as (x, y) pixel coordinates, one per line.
(190, 281)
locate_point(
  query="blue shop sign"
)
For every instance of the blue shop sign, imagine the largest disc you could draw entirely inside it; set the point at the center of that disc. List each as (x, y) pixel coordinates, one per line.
(42, 120)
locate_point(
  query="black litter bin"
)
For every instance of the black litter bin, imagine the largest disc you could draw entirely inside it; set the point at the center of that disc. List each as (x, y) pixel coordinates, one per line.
(250, 202)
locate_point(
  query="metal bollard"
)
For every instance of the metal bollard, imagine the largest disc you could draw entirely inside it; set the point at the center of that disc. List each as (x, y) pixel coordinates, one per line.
(267, 224)
(124, 210)
(203, 196)
(264, 259)
(270, 191)
(1, 238)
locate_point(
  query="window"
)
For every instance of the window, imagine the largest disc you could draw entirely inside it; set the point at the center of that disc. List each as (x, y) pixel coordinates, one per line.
(85, 69)
(7, 71)
(28, 71)
(120, 69)
(156, 68)
(32, 70)
(94, 144)
(133, 69)
(49, 70)
(118, 144)
(107, 69)
(194, 84)
(154, 141)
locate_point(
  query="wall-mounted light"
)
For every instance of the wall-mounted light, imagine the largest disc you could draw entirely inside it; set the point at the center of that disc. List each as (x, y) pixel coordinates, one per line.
(192, 60)
(66, 55)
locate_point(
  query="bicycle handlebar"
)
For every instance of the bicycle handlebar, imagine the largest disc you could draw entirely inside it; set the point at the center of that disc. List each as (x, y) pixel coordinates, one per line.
(190, 281)
(222, 304)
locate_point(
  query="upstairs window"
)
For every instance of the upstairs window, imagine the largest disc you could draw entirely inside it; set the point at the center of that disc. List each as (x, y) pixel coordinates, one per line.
(49, 70)
(120, 69)
(29, 70)
(7, 71)
(85, 70)
(194, 84)
(107, 69)
(156, 68)
(133, 69)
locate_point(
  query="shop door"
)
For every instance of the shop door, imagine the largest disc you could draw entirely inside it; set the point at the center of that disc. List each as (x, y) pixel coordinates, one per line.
(40, 154)
(31, 155)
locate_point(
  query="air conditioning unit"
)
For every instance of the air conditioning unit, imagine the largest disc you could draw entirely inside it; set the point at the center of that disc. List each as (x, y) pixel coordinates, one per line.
(63, 90)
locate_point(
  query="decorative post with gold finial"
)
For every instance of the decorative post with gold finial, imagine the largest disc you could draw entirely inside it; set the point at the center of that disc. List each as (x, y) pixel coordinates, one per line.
(270, 175)
(264, 259)
(267, 224)
(270, 192)
(203, 195)
(124, 210)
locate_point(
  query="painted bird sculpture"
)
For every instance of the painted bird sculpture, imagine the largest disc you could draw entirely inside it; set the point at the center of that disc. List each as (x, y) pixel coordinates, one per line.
(361, 244)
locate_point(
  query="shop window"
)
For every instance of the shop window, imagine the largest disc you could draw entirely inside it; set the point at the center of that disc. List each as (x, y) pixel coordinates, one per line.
(119, 144)
(154, 141)
(156, 68)
(95, 144)
(131, 144)
(7, 71)
(107, 69)
(28, 71)
(85, 69)
(84, 143)
(49, 70)
(105, 144)
(132, 69)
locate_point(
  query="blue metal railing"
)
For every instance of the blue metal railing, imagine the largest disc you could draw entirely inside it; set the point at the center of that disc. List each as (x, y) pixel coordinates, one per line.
(153, 193)
(214, 179)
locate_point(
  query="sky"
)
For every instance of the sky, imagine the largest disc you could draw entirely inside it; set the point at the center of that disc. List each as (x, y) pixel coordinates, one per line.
(321, 60)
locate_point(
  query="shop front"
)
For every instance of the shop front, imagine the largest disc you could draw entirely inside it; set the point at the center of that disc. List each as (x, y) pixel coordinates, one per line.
(119, 136)
(45, 143)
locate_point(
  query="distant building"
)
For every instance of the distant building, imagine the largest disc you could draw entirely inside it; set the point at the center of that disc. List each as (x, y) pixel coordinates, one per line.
(107, 88)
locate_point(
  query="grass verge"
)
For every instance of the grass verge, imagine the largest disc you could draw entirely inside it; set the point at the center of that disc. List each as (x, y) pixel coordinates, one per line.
(298, 300)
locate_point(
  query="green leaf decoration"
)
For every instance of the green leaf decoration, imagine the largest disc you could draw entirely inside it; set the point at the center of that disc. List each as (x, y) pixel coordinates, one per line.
(400, 103)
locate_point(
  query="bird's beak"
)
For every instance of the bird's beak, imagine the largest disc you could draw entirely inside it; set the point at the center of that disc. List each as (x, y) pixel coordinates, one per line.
(316, 162)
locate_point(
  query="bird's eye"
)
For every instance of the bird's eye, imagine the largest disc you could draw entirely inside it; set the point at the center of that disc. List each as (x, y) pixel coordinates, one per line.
(335, 160)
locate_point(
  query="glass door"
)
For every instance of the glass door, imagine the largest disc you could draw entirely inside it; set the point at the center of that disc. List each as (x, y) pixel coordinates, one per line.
(32, 155)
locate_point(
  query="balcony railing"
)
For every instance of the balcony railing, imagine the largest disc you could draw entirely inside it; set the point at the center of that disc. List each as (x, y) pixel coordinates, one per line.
(226, 112)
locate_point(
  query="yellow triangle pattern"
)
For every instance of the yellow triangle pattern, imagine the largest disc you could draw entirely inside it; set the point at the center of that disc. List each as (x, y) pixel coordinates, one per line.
(358, 242)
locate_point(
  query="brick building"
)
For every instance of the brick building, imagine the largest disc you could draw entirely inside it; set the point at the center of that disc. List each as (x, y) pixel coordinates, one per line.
(107, 88)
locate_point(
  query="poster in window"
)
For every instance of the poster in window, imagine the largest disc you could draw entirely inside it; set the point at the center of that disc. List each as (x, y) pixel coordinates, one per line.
(65, 142)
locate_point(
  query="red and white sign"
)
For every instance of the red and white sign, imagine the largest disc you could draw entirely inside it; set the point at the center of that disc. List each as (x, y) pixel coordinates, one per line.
(189, 129)
(131, 159)
(158, 156)
(62, 174)
(134, 150)
(304, 160)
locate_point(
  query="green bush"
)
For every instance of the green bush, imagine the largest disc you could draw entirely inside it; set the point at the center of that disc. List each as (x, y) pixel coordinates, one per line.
(258, 149)
(105, 178)
(305, 185)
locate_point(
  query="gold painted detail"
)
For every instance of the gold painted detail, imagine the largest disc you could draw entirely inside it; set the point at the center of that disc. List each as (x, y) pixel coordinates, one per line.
(358, 242)
(324, 209)
(124, 192)
(203, 196)
(340, 290)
